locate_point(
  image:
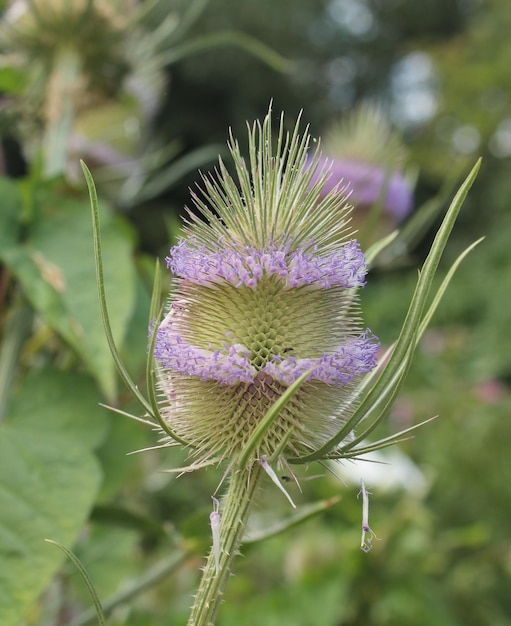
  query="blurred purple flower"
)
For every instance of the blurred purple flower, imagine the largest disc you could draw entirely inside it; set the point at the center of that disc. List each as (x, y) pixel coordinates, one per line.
(365, 183)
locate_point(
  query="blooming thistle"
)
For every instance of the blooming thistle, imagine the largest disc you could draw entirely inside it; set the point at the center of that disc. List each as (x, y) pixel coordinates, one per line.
(263, 292)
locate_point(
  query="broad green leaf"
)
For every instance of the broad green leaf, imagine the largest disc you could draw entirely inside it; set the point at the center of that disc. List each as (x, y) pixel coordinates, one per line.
(41, 282)
(49, 478)
(56, 270)
(10, 214)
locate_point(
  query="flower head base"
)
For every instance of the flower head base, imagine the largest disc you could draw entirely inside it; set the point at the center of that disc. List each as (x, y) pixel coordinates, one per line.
(264, 292)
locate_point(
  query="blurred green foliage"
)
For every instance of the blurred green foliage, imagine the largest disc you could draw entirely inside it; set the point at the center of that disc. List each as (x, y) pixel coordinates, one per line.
(444, 554)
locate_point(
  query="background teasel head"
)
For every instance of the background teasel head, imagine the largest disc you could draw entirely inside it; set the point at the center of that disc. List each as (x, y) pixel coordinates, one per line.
(89, 80)
(367, 155)
(263, 292)
(35, 33)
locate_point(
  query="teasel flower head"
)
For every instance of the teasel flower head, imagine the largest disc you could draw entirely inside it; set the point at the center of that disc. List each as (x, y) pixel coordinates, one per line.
(37, 30)
(367, 155)
(90, 82)
(263, 291)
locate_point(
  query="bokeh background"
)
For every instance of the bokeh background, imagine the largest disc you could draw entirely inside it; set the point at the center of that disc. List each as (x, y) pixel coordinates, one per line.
(146, 99)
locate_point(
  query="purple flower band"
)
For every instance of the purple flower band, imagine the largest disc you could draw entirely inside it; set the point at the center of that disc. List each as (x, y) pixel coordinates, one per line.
(246, 265)
(231, 365)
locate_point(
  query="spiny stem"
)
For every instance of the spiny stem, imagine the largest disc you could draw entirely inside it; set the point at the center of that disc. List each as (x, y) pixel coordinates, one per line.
(234, 515)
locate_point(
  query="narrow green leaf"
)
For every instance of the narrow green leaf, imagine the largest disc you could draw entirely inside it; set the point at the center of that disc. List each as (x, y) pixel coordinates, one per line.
(393, 389)
(385, 400)
(410, 329)
(381, 443)
(98, 256)
(443, 287)
(83, 573)
(268, 420)
(257, 533)
(402, 372)
(228, 38)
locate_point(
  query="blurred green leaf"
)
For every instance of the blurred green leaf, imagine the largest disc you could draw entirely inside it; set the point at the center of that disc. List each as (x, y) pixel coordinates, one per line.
(10, 214)
(48, 481)
(240, 40)
(35, 275)
(56, 270)
(196, 531)
(11, 80)
(111, 556)
(119, 516)
(131, 586)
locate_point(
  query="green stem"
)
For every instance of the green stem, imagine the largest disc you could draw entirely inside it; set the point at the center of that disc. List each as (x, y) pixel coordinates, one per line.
(234, 512)
(62, 93)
